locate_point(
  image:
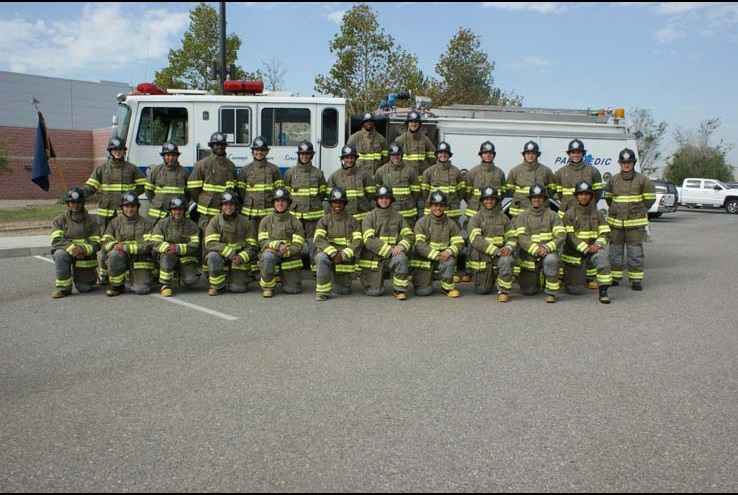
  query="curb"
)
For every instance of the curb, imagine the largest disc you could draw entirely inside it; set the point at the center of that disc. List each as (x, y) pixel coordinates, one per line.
(24, 251)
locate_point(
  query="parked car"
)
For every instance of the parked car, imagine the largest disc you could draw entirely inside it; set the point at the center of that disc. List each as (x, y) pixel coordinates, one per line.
(709, 193)
(665, 200)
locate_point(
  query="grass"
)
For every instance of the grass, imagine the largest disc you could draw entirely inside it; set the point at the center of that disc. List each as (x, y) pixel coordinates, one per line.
(48, 212)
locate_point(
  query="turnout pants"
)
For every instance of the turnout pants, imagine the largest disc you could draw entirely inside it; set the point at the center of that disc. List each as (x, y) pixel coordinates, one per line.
(576, 276)
(332, 277)
(398, 267)
(531, 281)
(290, 269)
(628, 244)
(185, 267)
(70, 270)
(221, 272)
(138, 268)
(423, 278)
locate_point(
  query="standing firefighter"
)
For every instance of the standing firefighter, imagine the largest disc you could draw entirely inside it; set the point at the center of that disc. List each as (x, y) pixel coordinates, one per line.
(358, 184)
(420, 153)
(575, 170)
(587, 234)
(165, 181)
(629, 196)
(404, 183)
(176, 241)
(75, 237)
(109, 180)
(540, 235)
(257, 181)
(486, 173)
(387, 242)
(338, 242)
(438, 244)
(525, 174)
(307, 187)
(492, 240)
(210, 177)
(370, 144)
(127, 241)
(231, 243)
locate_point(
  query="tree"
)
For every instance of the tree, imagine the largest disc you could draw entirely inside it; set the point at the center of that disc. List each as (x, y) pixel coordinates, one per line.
(273, 75)
(369, 64)
(189, 67)
(466, 75)
(695, 157)
(651, 133)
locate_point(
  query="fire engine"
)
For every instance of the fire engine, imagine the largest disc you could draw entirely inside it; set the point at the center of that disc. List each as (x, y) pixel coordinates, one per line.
(150, 116)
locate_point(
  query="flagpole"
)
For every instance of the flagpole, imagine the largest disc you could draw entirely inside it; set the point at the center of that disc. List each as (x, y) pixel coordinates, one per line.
(35, 103)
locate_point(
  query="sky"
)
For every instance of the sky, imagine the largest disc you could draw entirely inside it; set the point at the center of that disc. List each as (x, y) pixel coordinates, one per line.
(677, 60)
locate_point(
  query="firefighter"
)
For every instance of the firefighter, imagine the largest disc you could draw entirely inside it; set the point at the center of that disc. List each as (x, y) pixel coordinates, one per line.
(587, 234)
(75, 238)
(524, 175)
(338, 243)
(449, 179)
(109, 181)
(281, 238)
(629, 195)
(575, 170)
(486, 173)
(257, 181)
(540, 235)
(166, 180)
(210, 177)
(307, 187)
(387, 242)
(438, 244)
(403, 180)
(127, 241)
(420, 153)
(357, 182)
(370, 144)
(492, 242)
(176, 241)
(231, 243)
(445, 176)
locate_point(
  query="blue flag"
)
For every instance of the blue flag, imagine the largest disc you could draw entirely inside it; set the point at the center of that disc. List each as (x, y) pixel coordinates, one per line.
(41, 154)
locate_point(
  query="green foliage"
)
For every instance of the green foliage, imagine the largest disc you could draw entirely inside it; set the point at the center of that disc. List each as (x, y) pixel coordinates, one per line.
(694, 161)
(369, 64)
(466, 75)
(642, 121)
(695, 157)
(189, 66)
(4, 160)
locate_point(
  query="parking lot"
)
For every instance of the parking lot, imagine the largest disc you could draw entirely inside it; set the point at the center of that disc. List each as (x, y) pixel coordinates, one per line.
(241, 393)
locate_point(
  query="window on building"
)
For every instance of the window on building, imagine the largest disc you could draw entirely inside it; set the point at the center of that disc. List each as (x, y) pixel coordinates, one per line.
(160, 124)
(285, 126)
(236, 122)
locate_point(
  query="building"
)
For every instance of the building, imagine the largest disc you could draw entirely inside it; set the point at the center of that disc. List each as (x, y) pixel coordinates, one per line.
(78, 115)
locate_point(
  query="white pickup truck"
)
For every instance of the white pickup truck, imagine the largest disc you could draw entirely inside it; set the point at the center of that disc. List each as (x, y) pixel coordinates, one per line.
(709, 193)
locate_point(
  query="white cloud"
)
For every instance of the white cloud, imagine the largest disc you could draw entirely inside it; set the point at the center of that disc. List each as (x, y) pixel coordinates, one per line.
(668, 34)
(537, 62)
(336, 17)
(105, 34)
(677, 8)
(540, 7)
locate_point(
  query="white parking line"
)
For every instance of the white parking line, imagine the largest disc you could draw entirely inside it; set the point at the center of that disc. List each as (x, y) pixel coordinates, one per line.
(175, 301)
(195, 307)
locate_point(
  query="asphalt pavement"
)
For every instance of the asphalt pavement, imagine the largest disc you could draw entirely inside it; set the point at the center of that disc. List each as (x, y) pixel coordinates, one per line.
(238, 393)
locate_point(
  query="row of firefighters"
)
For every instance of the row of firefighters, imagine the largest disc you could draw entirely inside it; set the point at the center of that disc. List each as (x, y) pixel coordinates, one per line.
(259, 223)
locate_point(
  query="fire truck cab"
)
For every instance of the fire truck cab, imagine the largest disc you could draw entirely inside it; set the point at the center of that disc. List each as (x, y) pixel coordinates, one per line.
(151, 116)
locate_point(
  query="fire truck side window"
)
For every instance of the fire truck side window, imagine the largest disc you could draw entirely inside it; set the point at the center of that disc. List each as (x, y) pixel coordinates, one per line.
(160, 124)
(330, 128)
(285, 126)
(235, 123)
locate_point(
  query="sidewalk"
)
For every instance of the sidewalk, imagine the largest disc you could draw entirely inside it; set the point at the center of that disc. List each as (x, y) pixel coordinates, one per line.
(30, 245)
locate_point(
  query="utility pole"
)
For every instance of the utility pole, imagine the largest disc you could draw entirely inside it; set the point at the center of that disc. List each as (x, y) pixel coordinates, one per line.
(223, 69)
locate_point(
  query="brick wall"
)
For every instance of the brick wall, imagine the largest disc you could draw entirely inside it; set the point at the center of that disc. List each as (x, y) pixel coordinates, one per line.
(77, 153)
